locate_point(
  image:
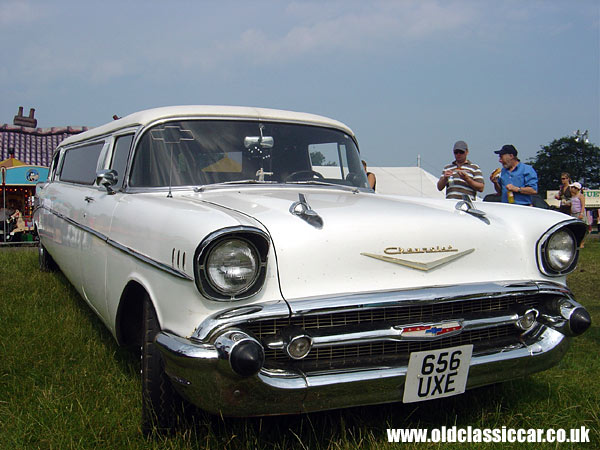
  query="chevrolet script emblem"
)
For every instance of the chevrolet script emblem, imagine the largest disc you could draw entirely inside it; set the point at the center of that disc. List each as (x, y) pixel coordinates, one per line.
(424, 266)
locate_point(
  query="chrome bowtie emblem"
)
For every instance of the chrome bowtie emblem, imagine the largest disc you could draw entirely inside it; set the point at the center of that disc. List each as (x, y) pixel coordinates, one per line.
(424, 266)
(431, 331)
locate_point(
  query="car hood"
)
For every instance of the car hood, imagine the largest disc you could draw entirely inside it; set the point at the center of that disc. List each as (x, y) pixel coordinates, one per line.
(370, 242)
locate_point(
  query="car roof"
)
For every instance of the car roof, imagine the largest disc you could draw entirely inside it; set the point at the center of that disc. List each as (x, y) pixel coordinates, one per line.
(148, 116)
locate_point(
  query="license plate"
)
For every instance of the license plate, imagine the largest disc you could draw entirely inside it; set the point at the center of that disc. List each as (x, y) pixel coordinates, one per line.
(437, 373)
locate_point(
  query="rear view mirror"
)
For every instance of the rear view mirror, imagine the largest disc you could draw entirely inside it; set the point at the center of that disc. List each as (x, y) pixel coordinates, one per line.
(260, 141)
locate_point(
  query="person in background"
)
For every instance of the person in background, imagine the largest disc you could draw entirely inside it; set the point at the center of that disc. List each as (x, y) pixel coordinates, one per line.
(578, 204)
(564, 193)
(577, 201)
(595, 220)
(370, 176)
(461, 176)
(5, 214)
(517, 181)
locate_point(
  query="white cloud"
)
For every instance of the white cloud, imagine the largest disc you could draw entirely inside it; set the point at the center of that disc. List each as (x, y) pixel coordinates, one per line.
(348, 27)
(18, 12)
(191, 41)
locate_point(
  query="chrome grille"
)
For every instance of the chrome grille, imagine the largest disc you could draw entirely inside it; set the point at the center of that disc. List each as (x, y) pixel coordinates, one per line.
(397, 315)
(399, 350)
(395, 352)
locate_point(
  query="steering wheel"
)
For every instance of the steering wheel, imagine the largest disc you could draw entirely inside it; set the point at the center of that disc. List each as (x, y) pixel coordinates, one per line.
(303, 175)
(355, 179)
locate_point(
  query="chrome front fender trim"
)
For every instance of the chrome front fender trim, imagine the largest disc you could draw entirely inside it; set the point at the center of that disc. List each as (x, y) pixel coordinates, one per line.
(121, 247)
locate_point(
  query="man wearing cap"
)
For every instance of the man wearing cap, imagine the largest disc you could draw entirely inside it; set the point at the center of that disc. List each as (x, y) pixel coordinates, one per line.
(461, 176)
(516, 177)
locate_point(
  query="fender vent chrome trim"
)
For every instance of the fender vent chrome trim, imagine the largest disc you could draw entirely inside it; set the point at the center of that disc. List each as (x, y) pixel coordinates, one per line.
(178, 259)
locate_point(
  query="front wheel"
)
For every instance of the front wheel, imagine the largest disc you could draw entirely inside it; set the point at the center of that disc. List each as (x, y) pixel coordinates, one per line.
(161, 405)
(46, 261)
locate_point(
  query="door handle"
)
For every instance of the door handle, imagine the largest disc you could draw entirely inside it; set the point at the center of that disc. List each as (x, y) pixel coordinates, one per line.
(89, 199)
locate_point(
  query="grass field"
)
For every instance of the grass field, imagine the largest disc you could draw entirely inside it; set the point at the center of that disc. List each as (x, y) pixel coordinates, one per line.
(65, 384)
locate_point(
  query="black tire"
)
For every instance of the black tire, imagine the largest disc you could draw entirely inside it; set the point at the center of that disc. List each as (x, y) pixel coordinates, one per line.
(47, 263)
(161, 405)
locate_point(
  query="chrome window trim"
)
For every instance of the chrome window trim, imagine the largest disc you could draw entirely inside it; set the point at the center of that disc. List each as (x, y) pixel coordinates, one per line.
(141, 130)
(139, 256)
(237, 187)
(107, 138)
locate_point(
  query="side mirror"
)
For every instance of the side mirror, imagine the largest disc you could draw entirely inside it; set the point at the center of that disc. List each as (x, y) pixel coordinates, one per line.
(107, 178)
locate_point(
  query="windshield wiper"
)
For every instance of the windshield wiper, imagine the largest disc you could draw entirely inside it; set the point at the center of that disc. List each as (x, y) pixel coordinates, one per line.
(323, 183)
(225, 183)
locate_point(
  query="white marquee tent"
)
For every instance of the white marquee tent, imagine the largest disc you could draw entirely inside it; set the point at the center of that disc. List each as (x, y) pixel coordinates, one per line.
(412, 181)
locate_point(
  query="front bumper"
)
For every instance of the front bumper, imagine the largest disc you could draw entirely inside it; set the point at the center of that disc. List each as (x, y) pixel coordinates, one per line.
(201, 370)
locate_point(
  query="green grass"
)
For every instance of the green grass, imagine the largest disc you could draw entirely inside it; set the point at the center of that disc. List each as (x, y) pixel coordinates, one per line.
(64, 383)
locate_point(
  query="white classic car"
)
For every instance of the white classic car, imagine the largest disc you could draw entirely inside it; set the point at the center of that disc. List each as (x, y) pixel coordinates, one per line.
(242, 249)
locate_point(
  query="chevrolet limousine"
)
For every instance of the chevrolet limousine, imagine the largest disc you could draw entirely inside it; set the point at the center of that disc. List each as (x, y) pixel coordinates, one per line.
(242, 250)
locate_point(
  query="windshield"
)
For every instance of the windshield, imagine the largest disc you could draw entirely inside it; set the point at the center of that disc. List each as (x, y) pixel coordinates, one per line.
(201, 152)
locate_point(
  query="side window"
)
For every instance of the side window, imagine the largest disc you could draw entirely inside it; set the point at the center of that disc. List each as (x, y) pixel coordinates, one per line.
(54, 165)
(330, 159)
(79, 164)
(120, 156)
(104, 157)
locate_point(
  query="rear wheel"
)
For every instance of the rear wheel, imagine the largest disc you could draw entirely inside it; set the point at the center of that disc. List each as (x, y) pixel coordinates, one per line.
(161, 405)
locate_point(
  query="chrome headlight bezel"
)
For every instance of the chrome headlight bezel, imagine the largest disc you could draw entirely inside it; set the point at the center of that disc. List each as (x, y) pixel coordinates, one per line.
(257, 243)
(575, 231)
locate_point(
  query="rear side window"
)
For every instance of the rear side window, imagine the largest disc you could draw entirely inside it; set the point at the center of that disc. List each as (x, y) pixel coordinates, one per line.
(79, 164)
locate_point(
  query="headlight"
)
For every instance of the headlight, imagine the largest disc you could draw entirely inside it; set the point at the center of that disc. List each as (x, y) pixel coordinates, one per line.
(231, 263)
(232, 266)
(557, 249)
(560, 250)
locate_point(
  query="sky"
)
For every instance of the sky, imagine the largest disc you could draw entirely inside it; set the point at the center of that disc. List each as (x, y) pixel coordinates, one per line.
(410, 77)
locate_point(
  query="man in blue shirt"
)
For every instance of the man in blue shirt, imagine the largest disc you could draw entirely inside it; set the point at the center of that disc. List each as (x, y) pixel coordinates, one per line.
(516, 180)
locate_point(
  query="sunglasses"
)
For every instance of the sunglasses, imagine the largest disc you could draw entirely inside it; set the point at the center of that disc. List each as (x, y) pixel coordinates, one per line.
(458, 152)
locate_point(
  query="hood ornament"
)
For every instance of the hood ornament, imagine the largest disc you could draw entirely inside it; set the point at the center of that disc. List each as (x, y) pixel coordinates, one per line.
(425, 267)
(466, 205)
(302, 209)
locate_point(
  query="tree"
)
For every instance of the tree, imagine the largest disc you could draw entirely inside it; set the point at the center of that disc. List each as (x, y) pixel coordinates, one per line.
(318, 159)
(570, 154)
